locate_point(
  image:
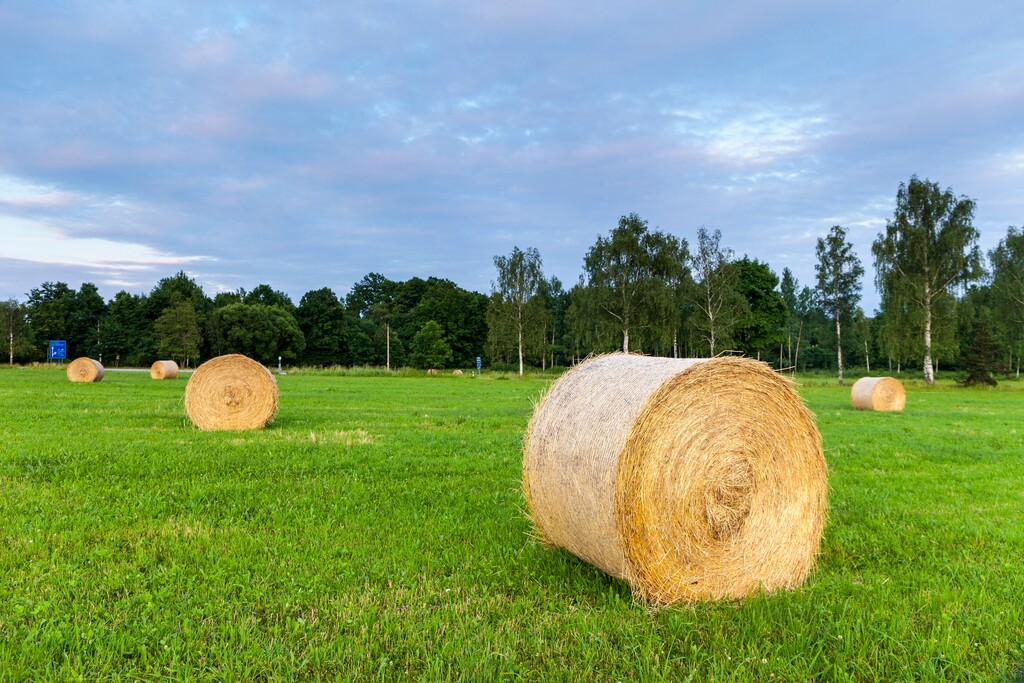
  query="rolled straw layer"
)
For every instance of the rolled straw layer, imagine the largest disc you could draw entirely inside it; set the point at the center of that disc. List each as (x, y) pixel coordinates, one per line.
(691, 479)
(85, 370)
(231, 392)
(164, 369)
(878, 393)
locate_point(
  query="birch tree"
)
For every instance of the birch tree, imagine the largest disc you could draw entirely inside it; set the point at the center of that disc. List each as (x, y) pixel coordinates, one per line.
(517, 310)
(1007, 261)
(839, 272)
(716, 299)
(630, 272)
(928, 249)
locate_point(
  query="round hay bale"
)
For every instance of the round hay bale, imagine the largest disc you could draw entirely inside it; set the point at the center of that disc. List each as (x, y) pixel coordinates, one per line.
(691, 479)
(85, 370)
(878, 393)
(164, 369)
(457, 373)
(431, 371)
(231, 392)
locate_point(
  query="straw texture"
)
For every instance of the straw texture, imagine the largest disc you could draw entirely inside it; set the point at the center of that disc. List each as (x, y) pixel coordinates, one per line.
(231, 392)
(85, 370)
(164, 369)
(691, 479)
(878, 393)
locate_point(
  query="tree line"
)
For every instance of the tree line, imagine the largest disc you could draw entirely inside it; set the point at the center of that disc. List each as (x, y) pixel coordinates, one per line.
(641, 290)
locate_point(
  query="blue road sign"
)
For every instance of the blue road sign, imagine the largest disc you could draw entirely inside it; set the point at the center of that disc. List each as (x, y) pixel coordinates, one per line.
(478, 362)
(58, 349)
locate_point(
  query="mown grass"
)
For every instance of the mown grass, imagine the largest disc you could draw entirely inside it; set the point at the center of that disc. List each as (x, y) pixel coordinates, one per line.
(375, 531)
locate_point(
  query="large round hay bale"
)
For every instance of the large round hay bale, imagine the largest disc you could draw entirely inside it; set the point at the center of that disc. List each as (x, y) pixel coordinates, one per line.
(229, 393)
(85, 370)
(164, 369)
(691, 479)
(457, 373)
(878, 393)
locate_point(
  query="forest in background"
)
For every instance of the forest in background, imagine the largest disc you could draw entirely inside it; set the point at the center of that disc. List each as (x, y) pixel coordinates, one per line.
(943, 304)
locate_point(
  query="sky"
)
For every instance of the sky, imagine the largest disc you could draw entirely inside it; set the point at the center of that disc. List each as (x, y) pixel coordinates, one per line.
(305, 144)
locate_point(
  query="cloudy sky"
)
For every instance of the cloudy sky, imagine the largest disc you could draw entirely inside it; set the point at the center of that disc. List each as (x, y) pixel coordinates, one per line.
(305, 144)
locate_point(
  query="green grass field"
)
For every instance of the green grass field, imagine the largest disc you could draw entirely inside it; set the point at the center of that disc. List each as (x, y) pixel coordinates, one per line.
(376, 531)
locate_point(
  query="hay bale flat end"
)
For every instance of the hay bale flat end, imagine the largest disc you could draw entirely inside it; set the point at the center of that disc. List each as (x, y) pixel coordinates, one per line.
(231, 392)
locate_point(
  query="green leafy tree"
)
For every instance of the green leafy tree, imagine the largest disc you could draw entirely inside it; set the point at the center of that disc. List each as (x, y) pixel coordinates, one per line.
(170, 291)
(762, 329)
(628, 274)
(178, 333)
(928, 249)
(1007, 261)
(717, 303)
(261, 332)
(84, 320)
(462, 315)
(516, 315)
(839, 274)
(373, 299)
(49, 312)
(268, 296)
(981, 357)
(14, 329)
(323, 322)
(429, 349)
(123, 331)
(556, 303)
(789, 288)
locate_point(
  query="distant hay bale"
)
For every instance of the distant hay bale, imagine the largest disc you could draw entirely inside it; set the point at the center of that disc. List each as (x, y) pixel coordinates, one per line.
(691, 479)
(85, 370)
(231, 392)
(878, 393)
(457, 373)
(164, 369)
(431, 371)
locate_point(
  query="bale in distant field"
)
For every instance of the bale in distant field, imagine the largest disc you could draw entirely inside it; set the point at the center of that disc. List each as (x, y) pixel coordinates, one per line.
(229, 393)
(878, 393)
(164, 369)
(690, 479)
(85, 370)
(431, 371)
(457, 373)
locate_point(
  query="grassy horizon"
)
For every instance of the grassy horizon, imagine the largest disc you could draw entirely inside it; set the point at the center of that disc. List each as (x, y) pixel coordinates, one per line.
(376, 531)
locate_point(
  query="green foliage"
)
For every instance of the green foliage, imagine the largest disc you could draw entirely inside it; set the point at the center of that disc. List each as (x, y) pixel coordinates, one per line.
(331, 546)
(125, 335)
(460, 313)
(1007, 261)
(762, 329)
(429, 348)
(517, 317)
(49, 310)
(261, 332)
(84, 321)
(15, 333)
(268, 296)
(717, 303)
(839, 273)
(324, 325)
(928, 249)
(178, 333)
(629, 279)
(981, 357)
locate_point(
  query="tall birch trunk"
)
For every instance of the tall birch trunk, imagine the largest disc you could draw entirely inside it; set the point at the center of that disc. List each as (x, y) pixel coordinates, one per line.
(929, 372)
(520, 350)
(839, 348)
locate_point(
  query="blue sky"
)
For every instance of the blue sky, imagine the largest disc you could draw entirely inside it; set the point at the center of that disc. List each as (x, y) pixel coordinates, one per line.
(305, 144)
